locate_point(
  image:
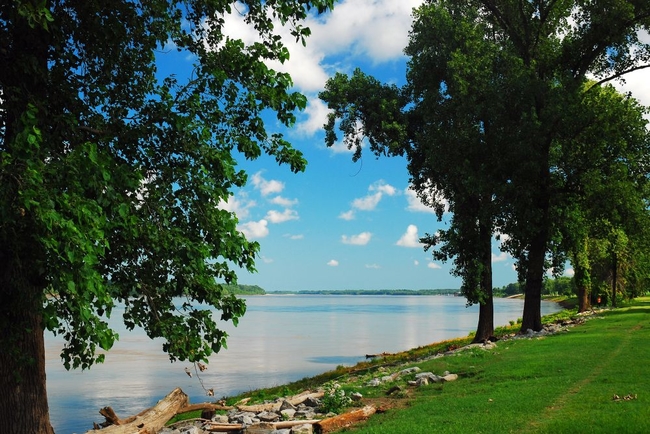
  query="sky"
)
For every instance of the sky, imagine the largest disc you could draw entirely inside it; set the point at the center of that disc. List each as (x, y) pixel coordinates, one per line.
(345, 225)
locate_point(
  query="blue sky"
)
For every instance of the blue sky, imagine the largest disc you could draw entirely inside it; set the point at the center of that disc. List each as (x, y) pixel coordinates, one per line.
(344, 225)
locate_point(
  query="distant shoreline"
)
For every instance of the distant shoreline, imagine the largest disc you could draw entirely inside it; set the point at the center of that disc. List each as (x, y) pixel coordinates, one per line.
(448, 292)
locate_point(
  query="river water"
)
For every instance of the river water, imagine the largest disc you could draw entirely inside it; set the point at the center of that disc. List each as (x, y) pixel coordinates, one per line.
(282, 338)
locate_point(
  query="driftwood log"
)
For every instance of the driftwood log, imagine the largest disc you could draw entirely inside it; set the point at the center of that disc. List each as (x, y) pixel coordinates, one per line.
(346, 419)
(150, 421)
(275, 406)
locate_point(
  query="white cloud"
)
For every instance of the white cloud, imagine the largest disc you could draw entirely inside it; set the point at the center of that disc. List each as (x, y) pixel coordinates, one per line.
(294, 236)
(503, 256)
(266, 187)
(410, 237)
(367, 203)
(239, 205)
(316, 116)
(274, 216)
(370, 202)
(414, 203)
(333, 263)
(255, 229)
(382, 187)
(416, 262)
(569, 272)
(434, 266)
(373, 266)
(267, 260)
(348, 215)
(283, 201)
(358, 240)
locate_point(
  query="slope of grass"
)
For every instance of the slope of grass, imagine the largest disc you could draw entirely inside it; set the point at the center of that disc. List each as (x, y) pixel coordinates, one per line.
(565, 383)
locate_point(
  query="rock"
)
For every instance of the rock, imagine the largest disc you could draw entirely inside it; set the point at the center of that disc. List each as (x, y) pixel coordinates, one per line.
(303, 429)
(408, 371)
(356, 396)
(450, 377)
(422, 381)
(286, 405)
(312, 402)
(281, 431)
(220, 418)
(430, 376)
(374, 382)
(191, 430)
(288, 413)
(260, 428)
(266, 416)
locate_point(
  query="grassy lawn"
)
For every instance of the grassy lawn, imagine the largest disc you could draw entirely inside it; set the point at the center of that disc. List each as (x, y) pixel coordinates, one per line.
(565, 383)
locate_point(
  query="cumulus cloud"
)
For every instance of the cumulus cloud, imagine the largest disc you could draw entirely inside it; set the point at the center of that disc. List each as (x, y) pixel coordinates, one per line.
(239, 205)
(316, 116)
(283, 201)
(502, 256)
(367, 203)
(569, 272)
(266, 187)
(294, 236)
(274, 216)
(416, 205)
(377, 192)
(348, 215)
(410, 238)
(333, 263)
(253, 229)
(357, 240)
(433, 265)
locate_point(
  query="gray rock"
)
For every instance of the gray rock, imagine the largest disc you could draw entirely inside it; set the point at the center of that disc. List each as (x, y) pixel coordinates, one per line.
(266, 416)
(413, 370)
(312, 402)
(303, 429)
(286, 405)
(221, 418)
(356, 396)
(374, 382)
(288, 413)
(281, 431)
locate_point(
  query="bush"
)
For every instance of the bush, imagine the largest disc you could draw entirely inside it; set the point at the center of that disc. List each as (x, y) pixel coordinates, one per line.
(334, 399)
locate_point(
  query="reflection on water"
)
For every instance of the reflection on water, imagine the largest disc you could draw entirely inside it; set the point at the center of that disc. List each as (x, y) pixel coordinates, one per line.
(279, 340)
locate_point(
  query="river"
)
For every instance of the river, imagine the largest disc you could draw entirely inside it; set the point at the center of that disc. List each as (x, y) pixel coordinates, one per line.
(282, 338)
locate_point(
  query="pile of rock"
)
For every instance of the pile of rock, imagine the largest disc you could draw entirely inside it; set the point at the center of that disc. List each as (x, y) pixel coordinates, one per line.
(284, 416)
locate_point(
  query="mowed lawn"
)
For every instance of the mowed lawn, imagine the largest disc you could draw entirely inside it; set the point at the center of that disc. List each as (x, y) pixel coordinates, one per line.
(594, 378)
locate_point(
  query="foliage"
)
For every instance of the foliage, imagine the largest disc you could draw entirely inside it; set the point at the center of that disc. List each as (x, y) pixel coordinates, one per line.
(239, 289)
(494, 120)
(334, 400)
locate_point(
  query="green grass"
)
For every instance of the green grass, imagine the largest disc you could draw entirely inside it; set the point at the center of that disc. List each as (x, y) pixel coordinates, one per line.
(558, 384)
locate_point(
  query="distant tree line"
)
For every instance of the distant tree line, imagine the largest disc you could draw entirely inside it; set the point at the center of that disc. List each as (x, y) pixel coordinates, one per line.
(237, 289)
(375, 292)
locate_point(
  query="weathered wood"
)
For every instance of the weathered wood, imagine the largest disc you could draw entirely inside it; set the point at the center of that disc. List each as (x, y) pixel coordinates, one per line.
(111, 417)
(346, 419)
(275, 406)
(203, 406)
(292, 423)
(151, 420)
(224, 427)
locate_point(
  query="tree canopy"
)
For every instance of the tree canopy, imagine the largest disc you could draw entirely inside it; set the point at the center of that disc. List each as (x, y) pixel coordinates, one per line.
(496, 108)
(111, 174)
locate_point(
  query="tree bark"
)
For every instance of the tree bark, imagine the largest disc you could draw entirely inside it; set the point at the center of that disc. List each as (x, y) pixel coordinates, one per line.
(23, 395)
(532, 316)
(485, 327)
(614, 278)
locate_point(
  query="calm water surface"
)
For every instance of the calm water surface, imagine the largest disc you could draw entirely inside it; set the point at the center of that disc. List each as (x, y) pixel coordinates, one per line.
(282, 338)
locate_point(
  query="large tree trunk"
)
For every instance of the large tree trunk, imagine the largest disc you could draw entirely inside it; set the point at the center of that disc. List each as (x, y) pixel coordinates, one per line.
(583, 287)
(614, 278)
(23, 397)
(532, 315)
(485, 327)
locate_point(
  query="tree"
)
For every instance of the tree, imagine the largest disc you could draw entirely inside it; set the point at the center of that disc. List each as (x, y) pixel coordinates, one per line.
(501, 77)
(557, 44)
(442, 121)
(111, 175)
(603, 176)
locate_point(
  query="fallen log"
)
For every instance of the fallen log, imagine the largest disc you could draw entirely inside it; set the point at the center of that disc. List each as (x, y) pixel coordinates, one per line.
(275, 406)
(346, 419)
(149, 421)
(204, 406)
(224, 427)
